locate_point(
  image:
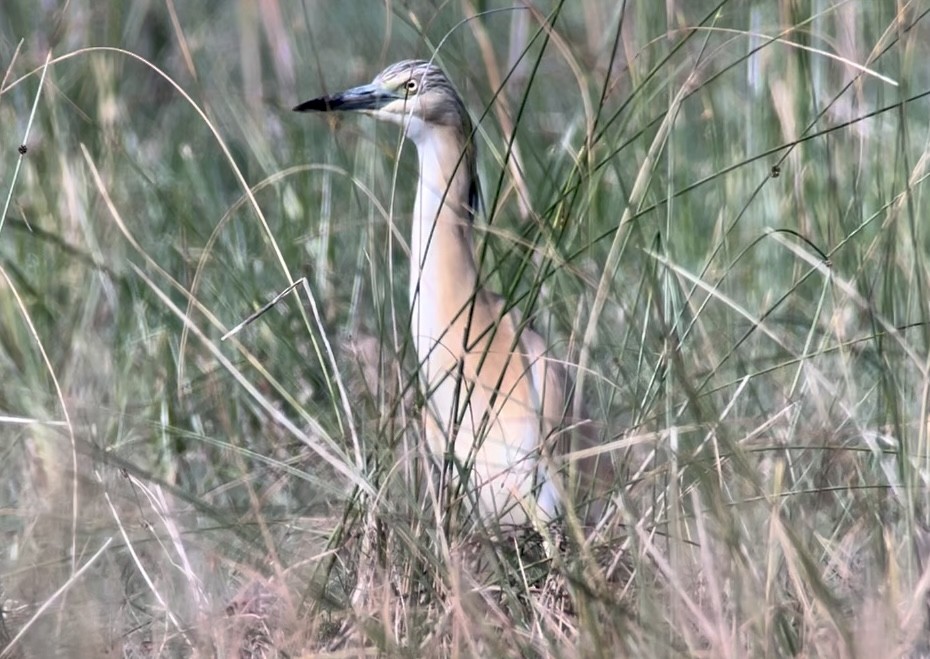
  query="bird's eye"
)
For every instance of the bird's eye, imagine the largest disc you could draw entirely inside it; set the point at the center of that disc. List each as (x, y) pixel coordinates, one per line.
(411, 86)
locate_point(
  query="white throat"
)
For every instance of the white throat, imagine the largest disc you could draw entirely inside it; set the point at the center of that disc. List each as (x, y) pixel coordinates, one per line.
(440, 237)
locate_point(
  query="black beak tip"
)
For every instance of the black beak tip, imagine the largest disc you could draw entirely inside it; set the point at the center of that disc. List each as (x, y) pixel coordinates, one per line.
(322, 104)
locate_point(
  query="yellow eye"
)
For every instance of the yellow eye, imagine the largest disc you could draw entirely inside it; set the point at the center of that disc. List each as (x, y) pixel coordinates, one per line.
(411, 86)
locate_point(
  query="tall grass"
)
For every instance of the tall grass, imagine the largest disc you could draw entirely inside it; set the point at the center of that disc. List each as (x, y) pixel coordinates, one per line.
(713, 211)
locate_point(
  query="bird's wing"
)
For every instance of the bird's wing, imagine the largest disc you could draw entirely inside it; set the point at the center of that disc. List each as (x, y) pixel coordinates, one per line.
(589, 478)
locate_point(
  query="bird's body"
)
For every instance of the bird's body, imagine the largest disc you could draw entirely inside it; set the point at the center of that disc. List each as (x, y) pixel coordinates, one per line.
(481, 392)
(492, 396)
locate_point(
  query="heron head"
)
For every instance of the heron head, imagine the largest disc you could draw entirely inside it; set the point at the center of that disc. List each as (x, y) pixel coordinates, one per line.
(413, 93)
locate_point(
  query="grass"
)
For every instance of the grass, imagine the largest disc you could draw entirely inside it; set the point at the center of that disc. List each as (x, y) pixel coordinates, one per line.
(714, 210)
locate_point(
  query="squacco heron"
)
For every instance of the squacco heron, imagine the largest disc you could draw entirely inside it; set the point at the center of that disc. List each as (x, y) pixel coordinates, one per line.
(495, 403)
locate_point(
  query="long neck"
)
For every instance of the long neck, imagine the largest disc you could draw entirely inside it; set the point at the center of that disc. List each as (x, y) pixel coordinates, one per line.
(443, 276)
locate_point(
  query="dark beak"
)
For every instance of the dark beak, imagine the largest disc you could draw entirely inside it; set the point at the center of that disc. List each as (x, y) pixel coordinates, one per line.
(366, 97)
